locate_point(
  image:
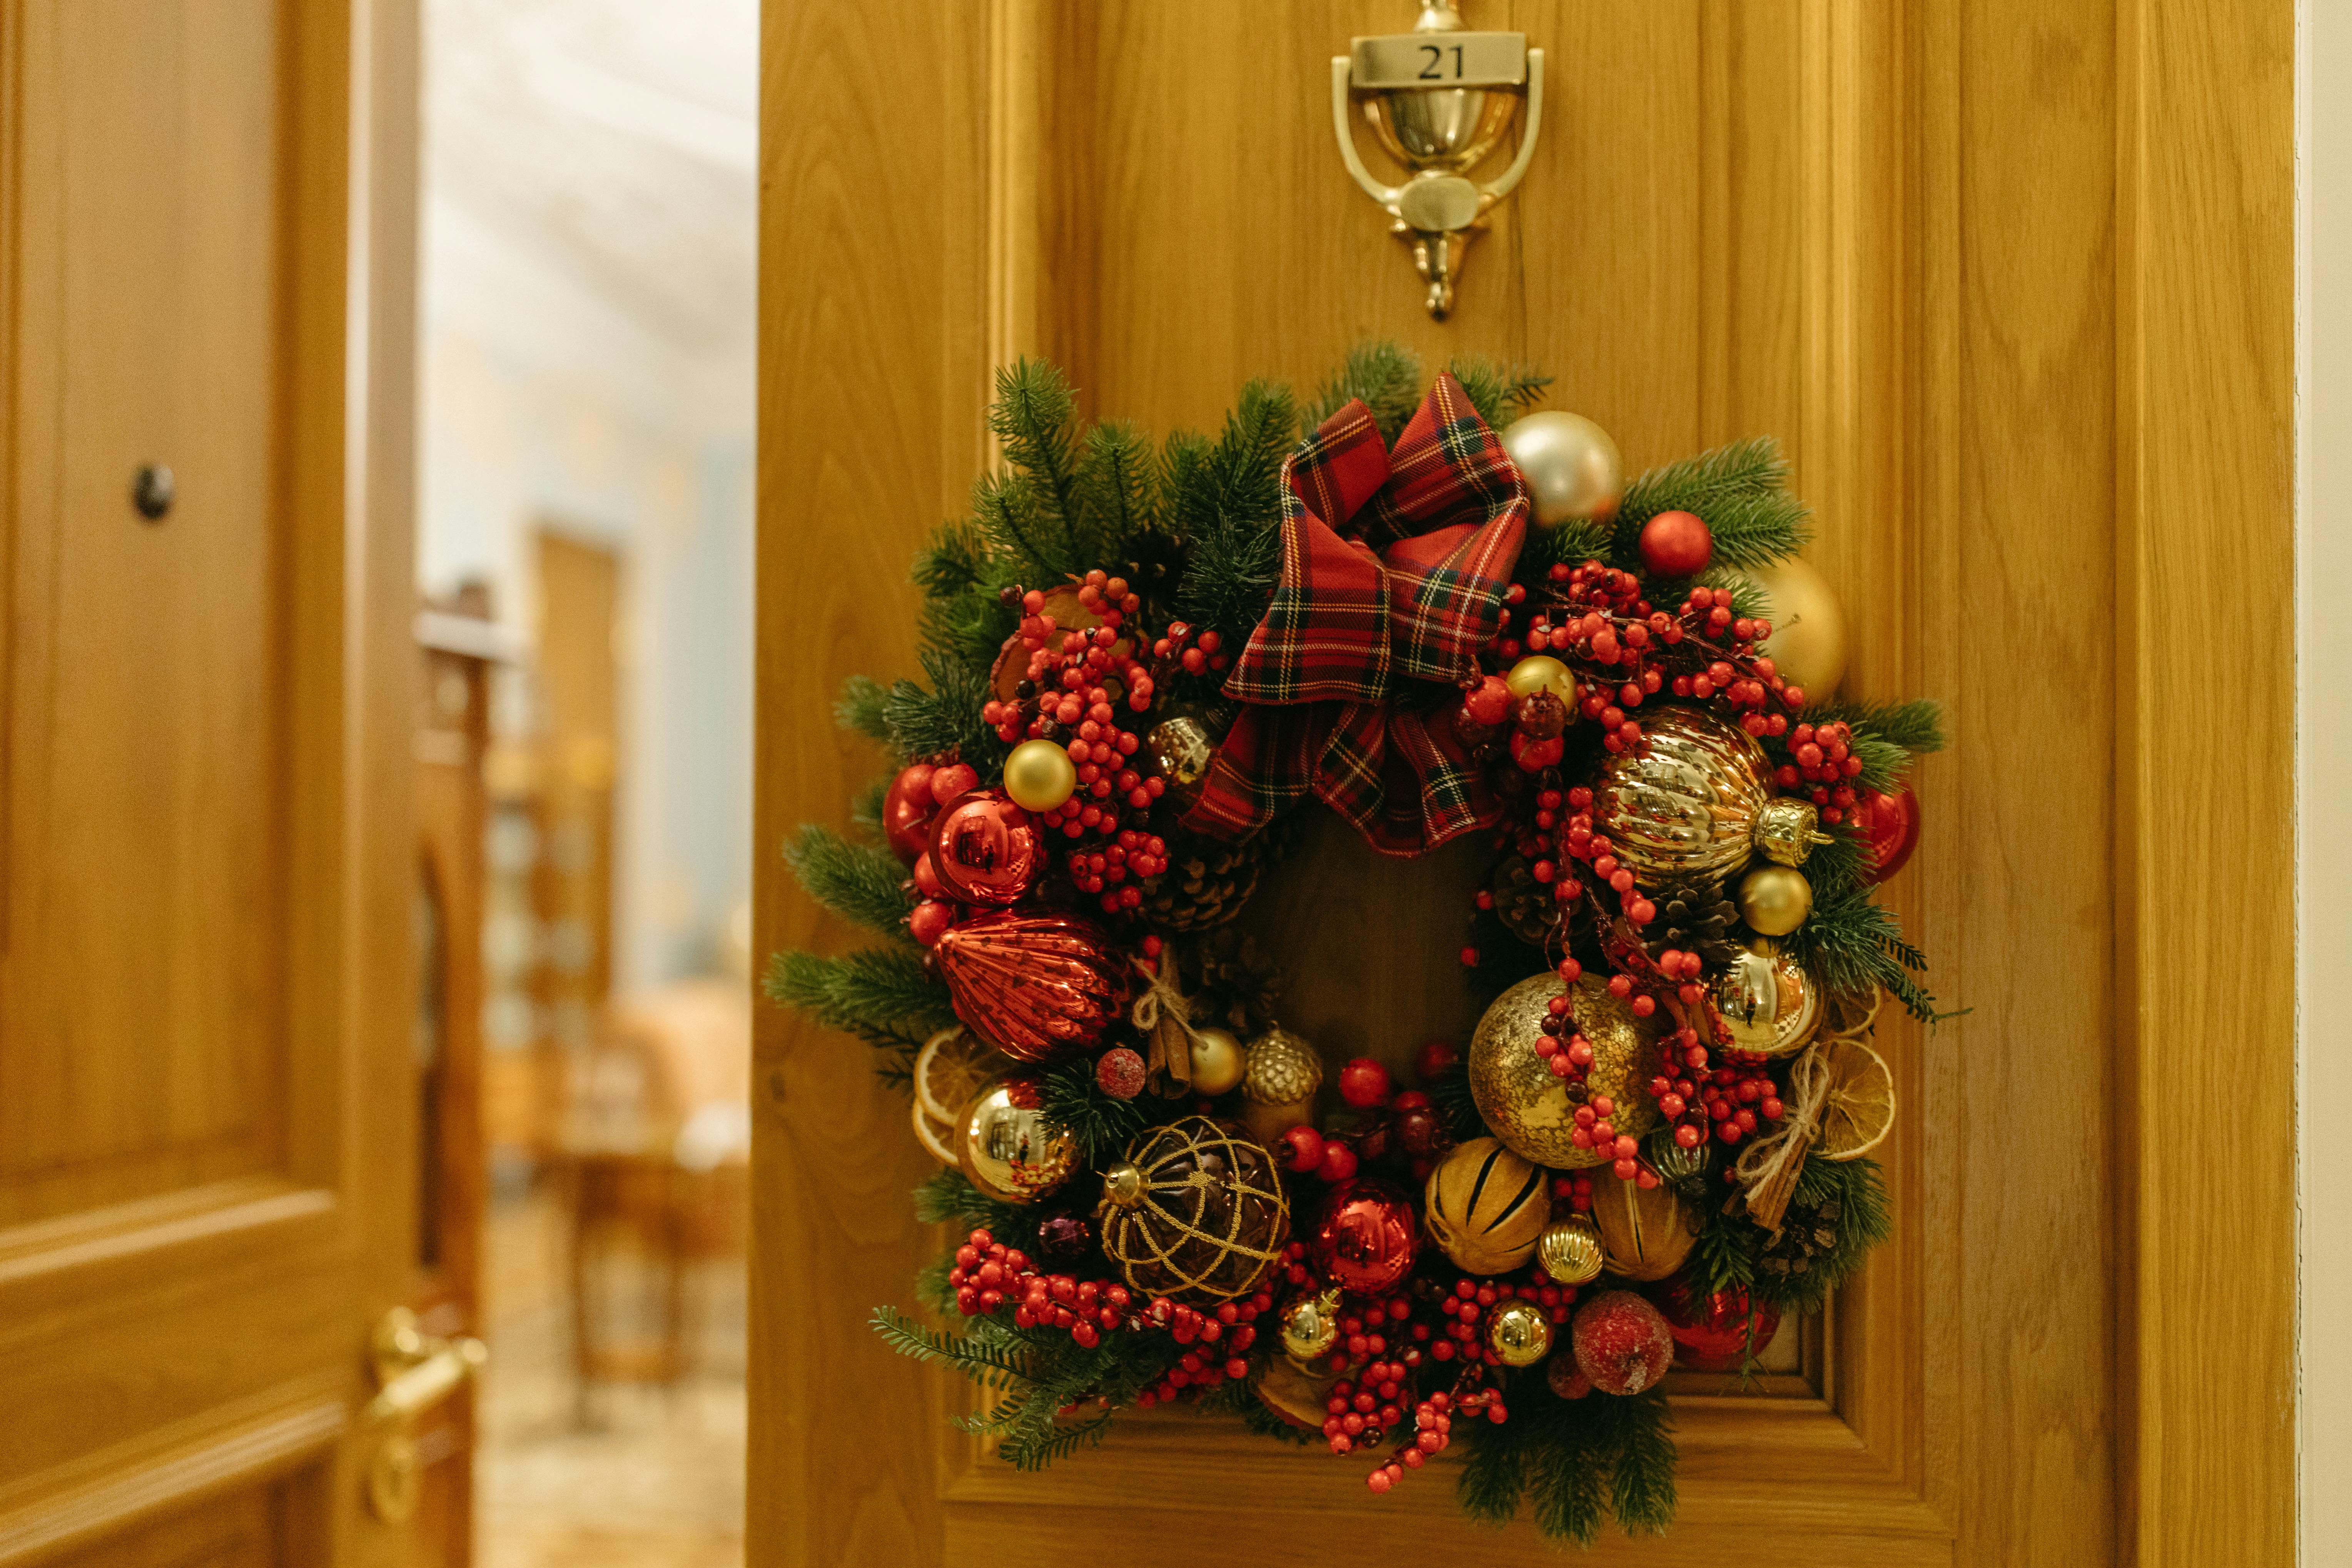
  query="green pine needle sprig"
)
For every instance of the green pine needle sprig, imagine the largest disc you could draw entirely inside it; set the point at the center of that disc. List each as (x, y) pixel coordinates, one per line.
(1574, 1464)
(1864, 1220)
(1501, 392)
(1741, 491)
(857, 881)
(1386, 375)
(880, 994)
(1853, 944)
(861, 707)
(1102, 1123)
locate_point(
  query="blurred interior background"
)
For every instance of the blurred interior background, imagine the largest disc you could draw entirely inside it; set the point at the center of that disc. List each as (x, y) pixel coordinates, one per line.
(585, 555)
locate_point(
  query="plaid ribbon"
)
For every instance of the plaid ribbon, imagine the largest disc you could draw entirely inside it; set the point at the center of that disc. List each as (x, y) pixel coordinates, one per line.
(1348, 681)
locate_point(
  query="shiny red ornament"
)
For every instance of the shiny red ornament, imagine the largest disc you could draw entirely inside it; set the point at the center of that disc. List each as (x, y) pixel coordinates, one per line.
(1364, 1083)
(987, 850)
(907, 812)
(1676, 544)
(1712, 1332)
(930, 921)
(1890, 825)
(1366, 1238)
(952, 780)
(927, 875)
(1033, 985)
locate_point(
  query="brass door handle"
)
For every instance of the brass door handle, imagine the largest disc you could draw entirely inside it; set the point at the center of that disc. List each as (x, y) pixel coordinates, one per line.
(414, 1371)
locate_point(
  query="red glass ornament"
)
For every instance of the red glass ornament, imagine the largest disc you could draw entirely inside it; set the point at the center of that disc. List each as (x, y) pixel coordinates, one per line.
(987, 850)
(1366, 1238)
(1033, 985)
(1711, 1332)
(907, 812)
(1676, 544)
(1890, 824)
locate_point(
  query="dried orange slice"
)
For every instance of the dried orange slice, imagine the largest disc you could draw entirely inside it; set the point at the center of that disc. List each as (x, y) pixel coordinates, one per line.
(950, 1069)
(1859, 1111)
(935, 1136)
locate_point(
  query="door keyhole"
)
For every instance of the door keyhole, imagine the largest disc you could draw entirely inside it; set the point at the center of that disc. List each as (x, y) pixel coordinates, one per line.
(152, 490)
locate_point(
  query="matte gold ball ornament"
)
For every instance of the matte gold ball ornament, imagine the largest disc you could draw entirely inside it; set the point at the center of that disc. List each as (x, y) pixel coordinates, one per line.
(1570, 1250)
(1007, 1149)
(1775, 900)
(1573, 468)
(1767, 1000)
(1486, 1206)
(1217, 1061)
(1519, 1097)
(1039, 775)
(1808, 645)
(1541, 672)
(1519, 1334)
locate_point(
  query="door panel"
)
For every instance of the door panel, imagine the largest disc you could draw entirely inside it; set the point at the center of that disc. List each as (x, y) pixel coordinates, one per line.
(1901, 236)
(203, 801)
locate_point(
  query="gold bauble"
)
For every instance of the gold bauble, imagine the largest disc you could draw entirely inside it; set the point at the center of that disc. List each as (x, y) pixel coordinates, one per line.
(1486, 1206)
(1808, 642)
(1519, 1334)
(1775, 900)
(1686, 804)
(1039, 775)
(1279, 1084)
(1217, 1061)
(1570, 1250)
(1541, 672)
(1788, 829)
(1525, 1106)
(1007, 1149)
(1571, 467)
(1310, 1325)
(1645, 1231)
(1180, 748)
(1767, 1000)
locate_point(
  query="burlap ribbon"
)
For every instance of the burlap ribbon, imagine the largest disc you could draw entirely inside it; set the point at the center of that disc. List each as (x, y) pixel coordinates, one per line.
(1162, 1015)
(1769, 1167)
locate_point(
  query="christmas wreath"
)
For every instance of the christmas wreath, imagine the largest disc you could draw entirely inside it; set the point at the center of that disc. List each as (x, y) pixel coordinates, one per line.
(1141, 660)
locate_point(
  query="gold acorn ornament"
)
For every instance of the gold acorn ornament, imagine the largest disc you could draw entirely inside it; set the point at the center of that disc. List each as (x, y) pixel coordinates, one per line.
(1775, 900)
(1195, 1211)
(1645, 1232)
(1518, 1332)
(1531, 1109)
(1685, 802)
(1279, 1083)
(1573, 468)
(1570, 1250)
(1486, 1206)
(1007, 1149)
(1310, 1325)
(1767, 1000)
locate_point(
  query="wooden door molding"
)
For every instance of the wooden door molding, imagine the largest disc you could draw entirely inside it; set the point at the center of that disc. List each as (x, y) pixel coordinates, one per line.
(2013, 279)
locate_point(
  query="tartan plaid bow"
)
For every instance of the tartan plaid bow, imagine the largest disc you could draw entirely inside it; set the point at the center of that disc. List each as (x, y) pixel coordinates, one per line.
(1348, 681)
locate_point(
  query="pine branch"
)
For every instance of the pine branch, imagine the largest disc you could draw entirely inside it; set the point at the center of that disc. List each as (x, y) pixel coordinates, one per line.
(1119, 482)
(866, 807)
(1850, 943)
(855, 881)
(946, 718)
(1726, 1247)
(1102, 1123)
(954, 561)
(1636, 1435)
(1032, 418)
(1386, 375)
(949, 1198)
(1501, 392)
(860, 708)
(1034, 1452)
(990, 1366)
(1748, 597)
(1739, 491)
(880, 994)
(1916, 726)
(1226, 500)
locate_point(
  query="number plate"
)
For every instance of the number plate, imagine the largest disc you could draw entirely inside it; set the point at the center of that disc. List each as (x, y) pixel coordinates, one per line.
(1438, 60)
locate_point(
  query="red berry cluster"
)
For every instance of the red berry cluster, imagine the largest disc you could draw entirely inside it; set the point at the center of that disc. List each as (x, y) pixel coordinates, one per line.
(1194, 653)
(1470, 1301)
(1217, 1339)
(1432, 1433)
(1822, 756)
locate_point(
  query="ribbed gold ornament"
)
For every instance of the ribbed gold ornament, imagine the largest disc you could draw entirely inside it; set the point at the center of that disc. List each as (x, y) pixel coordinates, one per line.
(1686, 802)
(1570, 1250)
(1529, 1108)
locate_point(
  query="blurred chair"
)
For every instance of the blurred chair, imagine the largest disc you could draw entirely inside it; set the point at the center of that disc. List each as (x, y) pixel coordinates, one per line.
(655, 1146)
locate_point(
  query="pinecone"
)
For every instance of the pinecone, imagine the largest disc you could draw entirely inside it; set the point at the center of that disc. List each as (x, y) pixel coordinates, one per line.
(1526, 907)
(1694, 917)
(1234, 982)
(1208, 880)
(1806, 1236)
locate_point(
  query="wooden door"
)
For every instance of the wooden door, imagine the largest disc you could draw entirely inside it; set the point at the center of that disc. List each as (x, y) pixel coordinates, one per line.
(206, 233)
(2013, 280)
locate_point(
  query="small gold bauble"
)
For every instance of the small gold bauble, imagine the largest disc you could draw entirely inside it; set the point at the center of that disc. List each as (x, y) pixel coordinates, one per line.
(1787, 829)
(1570, 1250)
(1645, 1231)
(1007, 1149)
(1528, 1107)
(1572, 471)
(1685, 802)
(1310, 1325)
(1675, 1162)
(1808, 644)
(1181, 747)
(1216, 1060)
(1541, 672)
(1775, 900)
(1519, 1333)
(1039, 775)
(1767, 1000)
(1486, 1206)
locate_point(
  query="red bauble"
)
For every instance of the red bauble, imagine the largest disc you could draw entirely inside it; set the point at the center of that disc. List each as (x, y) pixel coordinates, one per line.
(927, 875)
(1890, 824)
(930, 921)
(1364, 1083)
(1033, 985)
(1623, 1343)
(907, 812)
(952, 780)
(1676, 544)
(987, 850)
(1366, 1238)
(1489, 701)
(1712, 1332)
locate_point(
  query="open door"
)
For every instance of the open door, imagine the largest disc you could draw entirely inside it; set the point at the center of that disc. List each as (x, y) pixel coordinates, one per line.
(207, 1112)
(2012, 281)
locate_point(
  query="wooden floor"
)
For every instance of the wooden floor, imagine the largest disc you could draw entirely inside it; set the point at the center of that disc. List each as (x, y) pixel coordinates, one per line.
(638, 1475)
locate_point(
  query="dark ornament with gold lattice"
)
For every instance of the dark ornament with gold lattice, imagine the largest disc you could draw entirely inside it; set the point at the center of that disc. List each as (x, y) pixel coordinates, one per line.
(1194, 1212)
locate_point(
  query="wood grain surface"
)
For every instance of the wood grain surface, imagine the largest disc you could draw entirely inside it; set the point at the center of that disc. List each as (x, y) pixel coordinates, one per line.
(1892, 234)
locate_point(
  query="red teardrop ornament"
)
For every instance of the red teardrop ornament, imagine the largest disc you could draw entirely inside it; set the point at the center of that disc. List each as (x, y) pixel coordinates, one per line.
(1891, 826)
(1033, 985)
(986, 849)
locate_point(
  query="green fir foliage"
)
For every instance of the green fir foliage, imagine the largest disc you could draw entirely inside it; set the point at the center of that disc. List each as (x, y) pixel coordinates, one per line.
(1887, 735)
(1850, 943)
(1574, 1463)
(880, 994)
(1501, 392)
(1226, 498)
(856, 881)
(1729, 1246)
(1386, 375)
(1238, 1397)
(866, 809)
(1741, 491)
(861, 707)
(1102, 1123)
(944, 716)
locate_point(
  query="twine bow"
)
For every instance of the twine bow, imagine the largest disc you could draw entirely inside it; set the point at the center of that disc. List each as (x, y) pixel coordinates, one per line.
(1769, 1167)
(1348, 682)
(1163, 1016)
